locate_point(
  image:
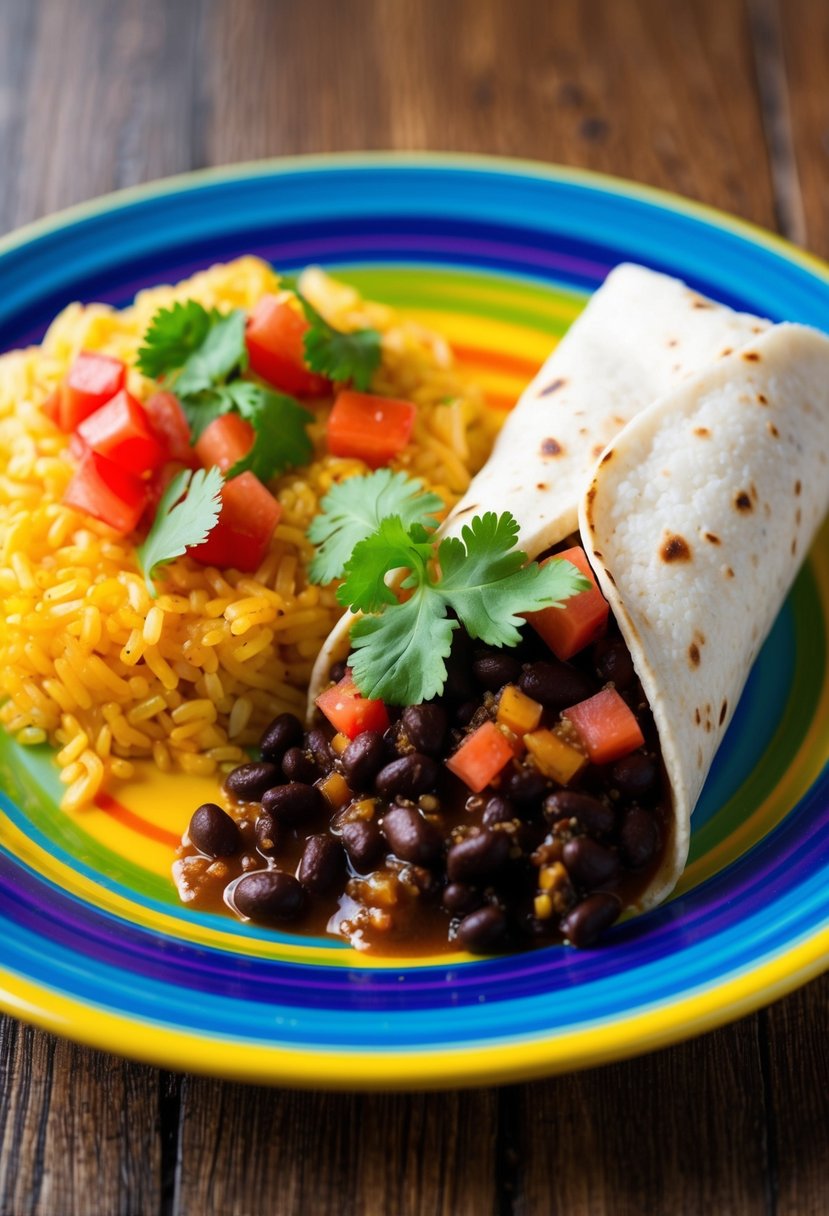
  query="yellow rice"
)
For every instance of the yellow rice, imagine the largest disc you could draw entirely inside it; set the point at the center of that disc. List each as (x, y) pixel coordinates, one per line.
(88, 659)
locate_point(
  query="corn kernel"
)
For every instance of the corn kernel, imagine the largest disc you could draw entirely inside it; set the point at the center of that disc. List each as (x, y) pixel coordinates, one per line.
(517, 711)
(334, 789)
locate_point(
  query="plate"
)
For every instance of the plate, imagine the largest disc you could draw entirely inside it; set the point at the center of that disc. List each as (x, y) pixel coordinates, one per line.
(501, 256)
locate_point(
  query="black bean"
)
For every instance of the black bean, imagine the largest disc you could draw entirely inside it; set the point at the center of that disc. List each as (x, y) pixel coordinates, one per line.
(285, 731)
(213, 831)
(594, 816)
(363, 759)
(337, 672)
(293, 803)
(634, 775)
(322, 863)
(466, 712)
(412, 838)
(407, 777)
(297, 766)
(639, 837)
(364, 844)
(248, 782)
(269, 896)
(556, 685)
(493, 671)
(426, 726)
(498, 810)
(484, 931)
(266, 837)
(589, 863)
(590, 918)
(460, 899)
(317, 744)
(526, 787)
(613, 663)
(478, 858)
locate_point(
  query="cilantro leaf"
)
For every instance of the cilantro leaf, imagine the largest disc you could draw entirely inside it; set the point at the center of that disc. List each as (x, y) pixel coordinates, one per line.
(389, 548)
(173, 335)
(200, 409)
(354, 509)
(487, 583)
(181, 522)
(279, 423)
(399, 651)
(221, 353)
(340, 356)
(400, 655)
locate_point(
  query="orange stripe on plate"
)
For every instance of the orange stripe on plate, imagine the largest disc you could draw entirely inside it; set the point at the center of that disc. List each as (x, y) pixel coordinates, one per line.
(513, 365)
(116, 810)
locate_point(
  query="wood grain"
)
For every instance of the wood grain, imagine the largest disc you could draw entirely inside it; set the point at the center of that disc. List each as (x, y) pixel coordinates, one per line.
(723, 100)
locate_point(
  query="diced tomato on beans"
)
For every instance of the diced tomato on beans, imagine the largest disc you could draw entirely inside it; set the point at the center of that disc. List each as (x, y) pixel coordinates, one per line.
(349, 712)
(606, 726)
(107, 492)
(369, 428)
(170, 427)
(224, 441)
(120, 431)
(91, 381)
(275, 341)
(241, 537)
(579, 620)
(481, 756)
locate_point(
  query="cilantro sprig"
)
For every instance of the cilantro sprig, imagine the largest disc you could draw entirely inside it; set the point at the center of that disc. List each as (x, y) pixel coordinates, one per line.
(351, 357)
(480, 581)
(186, 514)
(201, 355)
(353, 509)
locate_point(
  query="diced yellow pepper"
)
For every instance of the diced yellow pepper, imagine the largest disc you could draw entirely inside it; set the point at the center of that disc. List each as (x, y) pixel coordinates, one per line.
(339, 743)
(334, 788)
(554, 757)
(518, 711)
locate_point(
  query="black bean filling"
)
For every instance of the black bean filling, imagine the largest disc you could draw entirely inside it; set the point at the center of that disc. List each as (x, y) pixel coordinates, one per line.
(376, 841)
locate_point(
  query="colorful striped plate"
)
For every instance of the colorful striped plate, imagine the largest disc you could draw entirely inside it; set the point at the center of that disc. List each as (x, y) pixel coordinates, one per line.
(500, 256)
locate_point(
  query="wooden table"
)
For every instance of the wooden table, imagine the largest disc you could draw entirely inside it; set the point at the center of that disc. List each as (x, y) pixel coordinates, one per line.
(722, 100)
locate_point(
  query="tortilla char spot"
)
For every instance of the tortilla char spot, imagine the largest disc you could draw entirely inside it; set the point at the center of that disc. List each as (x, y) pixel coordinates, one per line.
(694, 656)
(708, 725)
(607, 456)
(729, 350)
(466, 510)
(762, 399)
(582, 430)
(698, 302)
(723, 710)
(728, 572)
(591, 494)
(551, 447)
(794, 546)
(742, 501)
(675, 549)
(757, 329)
(597, 449)
(751, 356)
(552, 387)
(712, 538)
(673, 342)
(609, 577)
(697, 717)
(700, 757)
(797, 488)
(798, 516)
(541, 485)
(677, 367)
(597, 554)
(619, 420)
(702, 431)
(773, 431)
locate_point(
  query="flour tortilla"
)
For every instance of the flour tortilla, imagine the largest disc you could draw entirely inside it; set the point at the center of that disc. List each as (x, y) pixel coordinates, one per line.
(641, 334)
(696, 521)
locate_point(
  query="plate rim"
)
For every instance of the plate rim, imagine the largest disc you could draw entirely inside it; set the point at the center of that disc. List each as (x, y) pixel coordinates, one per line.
(481, 1063)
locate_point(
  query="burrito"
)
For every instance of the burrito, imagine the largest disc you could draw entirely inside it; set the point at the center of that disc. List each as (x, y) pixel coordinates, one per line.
(675, 452)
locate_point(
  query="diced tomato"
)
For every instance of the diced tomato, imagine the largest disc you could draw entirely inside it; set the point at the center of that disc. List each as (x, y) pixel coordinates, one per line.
(373, 429)
(120, 430)
(91, 381)
(170, 427)
(580, 620)
(481, 756)
(349, 711)
(274, 338)
(606, 726)
(242, 534)
(51, 406)
(224, 441)
(107, 492)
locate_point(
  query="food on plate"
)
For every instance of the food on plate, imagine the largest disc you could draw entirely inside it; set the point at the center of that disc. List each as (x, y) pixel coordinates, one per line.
(465, 779)
(161, 465)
